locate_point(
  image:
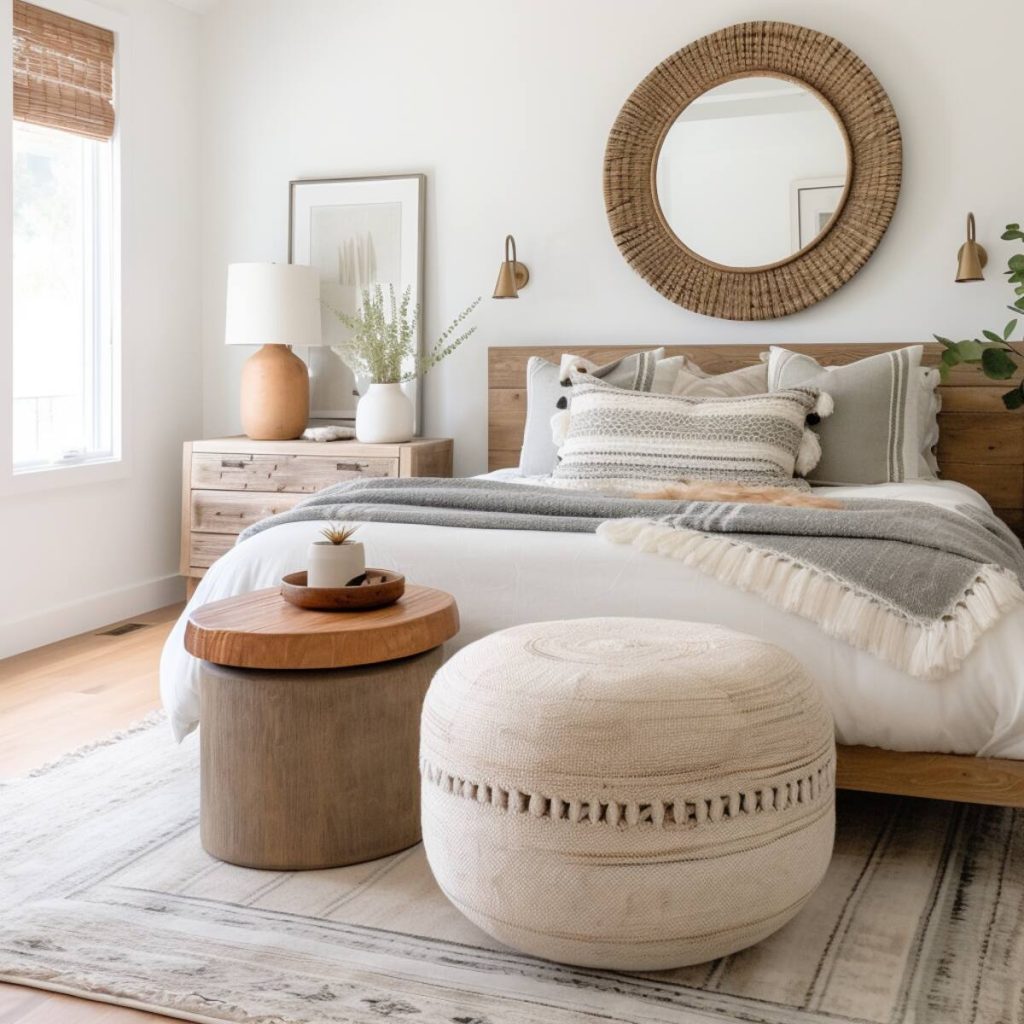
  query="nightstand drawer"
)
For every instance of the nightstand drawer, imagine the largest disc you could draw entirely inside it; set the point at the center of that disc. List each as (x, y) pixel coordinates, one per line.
(299, 474)
(232, 511)
(206, 548)
(229, 483)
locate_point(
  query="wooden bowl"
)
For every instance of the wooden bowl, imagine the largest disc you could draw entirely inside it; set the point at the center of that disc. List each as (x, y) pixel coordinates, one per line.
(383, 588)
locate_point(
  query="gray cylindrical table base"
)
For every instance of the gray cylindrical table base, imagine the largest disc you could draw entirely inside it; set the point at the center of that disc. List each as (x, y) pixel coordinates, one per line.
(311, 769)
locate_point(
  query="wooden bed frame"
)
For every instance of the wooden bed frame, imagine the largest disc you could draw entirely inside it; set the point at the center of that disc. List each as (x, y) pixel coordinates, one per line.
(981, 444)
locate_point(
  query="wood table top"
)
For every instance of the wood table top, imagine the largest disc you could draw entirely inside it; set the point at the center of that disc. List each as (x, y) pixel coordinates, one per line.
(262, 630)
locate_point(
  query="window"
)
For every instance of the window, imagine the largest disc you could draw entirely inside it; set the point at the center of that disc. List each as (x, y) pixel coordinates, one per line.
(66, 398)
(63, 358)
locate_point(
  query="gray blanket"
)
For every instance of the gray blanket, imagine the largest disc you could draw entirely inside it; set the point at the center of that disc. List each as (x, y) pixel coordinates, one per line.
(914, 583)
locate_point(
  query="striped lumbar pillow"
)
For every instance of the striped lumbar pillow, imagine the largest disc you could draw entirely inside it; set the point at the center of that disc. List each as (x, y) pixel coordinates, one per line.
(625, 440)
(874, 435)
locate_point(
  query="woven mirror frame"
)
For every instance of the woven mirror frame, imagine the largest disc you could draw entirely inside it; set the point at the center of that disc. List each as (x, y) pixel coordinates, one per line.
(861, 105)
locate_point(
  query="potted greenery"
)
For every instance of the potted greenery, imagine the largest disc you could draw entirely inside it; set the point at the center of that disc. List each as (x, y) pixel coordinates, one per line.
(336, 560)
(382, 349)
(997, 355)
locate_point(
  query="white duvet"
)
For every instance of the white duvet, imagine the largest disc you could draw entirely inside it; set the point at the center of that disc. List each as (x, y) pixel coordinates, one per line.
(503, 578)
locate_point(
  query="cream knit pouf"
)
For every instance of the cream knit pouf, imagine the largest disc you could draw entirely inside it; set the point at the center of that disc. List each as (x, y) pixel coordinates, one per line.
(627, 793)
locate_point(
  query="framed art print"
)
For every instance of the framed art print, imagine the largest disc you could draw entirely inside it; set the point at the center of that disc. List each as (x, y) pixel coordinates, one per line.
(813, 202)
(357, 232)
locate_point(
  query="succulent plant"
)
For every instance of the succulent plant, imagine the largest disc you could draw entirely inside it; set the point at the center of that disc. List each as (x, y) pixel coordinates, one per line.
(338, 533)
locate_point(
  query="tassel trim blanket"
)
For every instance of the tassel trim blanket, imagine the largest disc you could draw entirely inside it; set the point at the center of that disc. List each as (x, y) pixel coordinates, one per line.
(914, 584)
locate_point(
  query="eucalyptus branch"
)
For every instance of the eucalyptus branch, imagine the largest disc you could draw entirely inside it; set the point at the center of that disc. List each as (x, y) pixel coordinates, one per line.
(383, 341)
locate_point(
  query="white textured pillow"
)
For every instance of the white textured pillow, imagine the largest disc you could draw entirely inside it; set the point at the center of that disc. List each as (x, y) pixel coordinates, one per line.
(929, 405)
(626, 440)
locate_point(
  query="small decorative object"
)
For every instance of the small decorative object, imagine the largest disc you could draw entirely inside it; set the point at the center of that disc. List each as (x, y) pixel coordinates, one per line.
(382, 348)
(512, 275)
(996, 355)
(331, 432)
(375, 588)
(971, 257)
(274, 305)
(357, 232)
(336, 560)
(631, 794)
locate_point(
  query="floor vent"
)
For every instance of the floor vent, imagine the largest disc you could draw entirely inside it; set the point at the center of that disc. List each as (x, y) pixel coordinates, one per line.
(125, 627)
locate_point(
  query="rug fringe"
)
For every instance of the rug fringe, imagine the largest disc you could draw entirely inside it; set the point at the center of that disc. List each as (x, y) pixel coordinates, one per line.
(923, 648)
(151, 720)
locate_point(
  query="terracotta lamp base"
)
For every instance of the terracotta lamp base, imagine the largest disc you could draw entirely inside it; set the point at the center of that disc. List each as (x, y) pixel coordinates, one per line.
(275, 394)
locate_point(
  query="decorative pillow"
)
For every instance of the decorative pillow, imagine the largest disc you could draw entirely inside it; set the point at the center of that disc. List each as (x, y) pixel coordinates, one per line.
(665, 370)
(629, 441)
(636, 372)
(693, 381)
(874, 435)
(929, 405)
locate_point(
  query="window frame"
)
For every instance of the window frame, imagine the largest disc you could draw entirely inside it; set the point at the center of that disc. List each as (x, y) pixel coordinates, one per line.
(89, 469)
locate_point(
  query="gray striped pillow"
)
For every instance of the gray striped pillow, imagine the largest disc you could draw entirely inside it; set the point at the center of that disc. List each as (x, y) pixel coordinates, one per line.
(873, 436)
(625, 440)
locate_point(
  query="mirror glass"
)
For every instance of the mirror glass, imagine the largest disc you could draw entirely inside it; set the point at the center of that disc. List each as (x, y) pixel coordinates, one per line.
(752, 171)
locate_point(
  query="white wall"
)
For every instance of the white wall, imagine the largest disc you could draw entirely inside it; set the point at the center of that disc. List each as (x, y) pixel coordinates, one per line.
(507, 109)
(79, 556)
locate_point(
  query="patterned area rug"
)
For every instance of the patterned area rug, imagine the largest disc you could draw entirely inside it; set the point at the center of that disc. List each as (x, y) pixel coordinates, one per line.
(105, 892)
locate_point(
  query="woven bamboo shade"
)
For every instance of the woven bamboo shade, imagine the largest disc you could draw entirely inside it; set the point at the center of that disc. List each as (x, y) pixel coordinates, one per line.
(756, 47)
(63, 72)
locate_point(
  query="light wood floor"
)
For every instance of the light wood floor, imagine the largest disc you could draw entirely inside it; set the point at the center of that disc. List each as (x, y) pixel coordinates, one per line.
(53, 700)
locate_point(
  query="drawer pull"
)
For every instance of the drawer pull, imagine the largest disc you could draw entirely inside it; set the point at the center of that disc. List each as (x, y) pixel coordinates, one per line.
(232, 464)
(355, 467)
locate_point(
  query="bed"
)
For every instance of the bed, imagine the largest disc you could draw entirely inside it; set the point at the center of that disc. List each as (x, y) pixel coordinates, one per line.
(899, 734)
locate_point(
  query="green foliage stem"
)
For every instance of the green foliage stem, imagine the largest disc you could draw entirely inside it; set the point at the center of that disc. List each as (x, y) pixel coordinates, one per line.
(384, 337)
(997, 356)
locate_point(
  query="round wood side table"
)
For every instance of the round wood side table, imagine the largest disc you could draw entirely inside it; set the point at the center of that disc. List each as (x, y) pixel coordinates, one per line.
(309, 726)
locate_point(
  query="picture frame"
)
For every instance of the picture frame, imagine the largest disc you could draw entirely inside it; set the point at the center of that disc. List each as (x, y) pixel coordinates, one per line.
(813, 203)
(357, 232)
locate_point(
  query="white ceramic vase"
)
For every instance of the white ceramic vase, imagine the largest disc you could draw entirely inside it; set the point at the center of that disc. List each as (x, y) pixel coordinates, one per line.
(333, 565)
(384, 415)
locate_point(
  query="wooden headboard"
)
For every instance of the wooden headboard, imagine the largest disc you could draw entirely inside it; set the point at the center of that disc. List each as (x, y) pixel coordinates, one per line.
(980, 443)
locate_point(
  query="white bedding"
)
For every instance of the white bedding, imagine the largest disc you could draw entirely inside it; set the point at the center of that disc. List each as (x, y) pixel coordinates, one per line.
(503, 578)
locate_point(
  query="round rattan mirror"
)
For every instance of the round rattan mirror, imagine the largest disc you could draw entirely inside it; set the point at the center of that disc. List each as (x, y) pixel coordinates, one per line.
(802, 122)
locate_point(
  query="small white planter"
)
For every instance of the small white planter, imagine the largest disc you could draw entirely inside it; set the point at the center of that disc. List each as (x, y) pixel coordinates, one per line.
(333, 565)
(384, 415)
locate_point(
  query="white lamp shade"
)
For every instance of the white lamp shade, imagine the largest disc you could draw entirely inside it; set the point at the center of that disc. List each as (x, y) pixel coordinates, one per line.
(272, 304)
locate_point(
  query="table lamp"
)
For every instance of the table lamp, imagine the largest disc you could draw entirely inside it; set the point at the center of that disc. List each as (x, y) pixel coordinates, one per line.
(275, 305)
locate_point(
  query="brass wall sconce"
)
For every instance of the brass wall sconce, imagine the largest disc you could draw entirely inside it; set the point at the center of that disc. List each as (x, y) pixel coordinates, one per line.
(971, 258)
(513, 275)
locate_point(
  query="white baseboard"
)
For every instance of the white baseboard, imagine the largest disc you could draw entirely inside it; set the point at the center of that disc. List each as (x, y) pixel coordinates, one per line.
(88, 613)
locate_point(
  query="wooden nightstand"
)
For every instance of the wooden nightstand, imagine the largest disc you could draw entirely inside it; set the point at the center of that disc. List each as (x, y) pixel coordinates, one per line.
(231, 482)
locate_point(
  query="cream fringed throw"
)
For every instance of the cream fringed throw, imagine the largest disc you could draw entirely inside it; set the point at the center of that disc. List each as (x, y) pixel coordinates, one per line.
(927, 647)
(915, 584)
